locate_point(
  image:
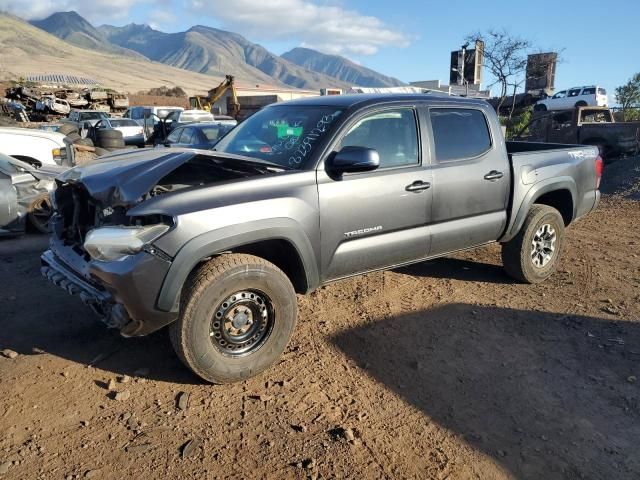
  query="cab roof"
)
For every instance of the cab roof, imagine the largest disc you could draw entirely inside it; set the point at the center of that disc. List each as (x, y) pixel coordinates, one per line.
(363, 99)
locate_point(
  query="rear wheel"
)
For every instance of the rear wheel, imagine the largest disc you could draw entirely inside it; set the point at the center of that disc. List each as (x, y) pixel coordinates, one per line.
(532, 255)
(581, 103)
(111, 134)
(540, 107)
(73, 137)
(237, 315)
(68, 128)
(111, 143)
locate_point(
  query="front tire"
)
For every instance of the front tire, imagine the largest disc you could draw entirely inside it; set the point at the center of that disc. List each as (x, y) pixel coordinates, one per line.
(532, 255)
(237, 315)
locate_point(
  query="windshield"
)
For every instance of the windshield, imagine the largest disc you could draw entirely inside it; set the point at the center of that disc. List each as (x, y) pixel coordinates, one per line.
(284, 135)
(93, 116)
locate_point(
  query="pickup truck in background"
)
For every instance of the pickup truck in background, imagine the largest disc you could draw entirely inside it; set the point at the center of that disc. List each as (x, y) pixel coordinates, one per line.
(36, 147)
(217, 243)
(585, 126)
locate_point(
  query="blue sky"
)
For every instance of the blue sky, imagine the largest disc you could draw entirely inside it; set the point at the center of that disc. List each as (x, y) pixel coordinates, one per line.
(408, 39)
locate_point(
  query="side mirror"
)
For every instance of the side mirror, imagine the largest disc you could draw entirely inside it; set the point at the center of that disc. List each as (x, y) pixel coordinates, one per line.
(354, 159)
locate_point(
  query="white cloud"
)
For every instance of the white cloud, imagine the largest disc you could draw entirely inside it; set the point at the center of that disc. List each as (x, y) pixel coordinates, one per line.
(95, 10)
(332, 29)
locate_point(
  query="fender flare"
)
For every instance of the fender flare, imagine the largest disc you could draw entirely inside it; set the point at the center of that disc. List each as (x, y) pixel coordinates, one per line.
(535, 192)
(216, 241)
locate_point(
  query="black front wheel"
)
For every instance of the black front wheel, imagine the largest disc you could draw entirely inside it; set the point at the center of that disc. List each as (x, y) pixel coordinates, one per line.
(237, 315)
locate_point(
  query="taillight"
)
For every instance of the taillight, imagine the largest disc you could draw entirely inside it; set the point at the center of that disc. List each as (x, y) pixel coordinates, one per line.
(599, 170)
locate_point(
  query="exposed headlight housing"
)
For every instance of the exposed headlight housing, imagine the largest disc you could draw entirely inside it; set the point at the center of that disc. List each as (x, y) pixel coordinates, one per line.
(111, 244)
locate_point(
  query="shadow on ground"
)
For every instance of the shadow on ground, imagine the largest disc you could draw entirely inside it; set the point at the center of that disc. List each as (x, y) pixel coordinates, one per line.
(458, 269)
(546, 395)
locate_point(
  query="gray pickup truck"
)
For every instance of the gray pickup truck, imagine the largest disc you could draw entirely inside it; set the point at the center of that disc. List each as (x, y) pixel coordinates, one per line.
(585, 126)
(216, 244)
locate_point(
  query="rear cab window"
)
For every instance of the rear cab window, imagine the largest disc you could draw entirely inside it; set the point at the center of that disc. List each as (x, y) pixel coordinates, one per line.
(459, 133)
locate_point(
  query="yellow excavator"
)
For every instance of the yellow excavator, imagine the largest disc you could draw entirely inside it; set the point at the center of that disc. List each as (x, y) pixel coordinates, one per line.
(213, 95)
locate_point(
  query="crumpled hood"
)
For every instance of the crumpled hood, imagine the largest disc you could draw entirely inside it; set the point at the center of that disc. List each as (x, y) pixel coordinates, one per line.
(123, 178)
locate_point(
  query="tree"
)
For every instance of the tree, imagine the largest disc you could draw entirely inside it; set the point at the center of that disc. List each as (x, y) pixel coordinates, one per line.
(505, 57)
(628, 96)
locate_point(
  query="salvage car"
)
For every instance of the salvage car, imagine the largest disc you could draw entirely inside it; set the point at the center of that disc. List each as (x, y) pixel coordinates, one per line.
(585, 126)
(24, 194)
(216, 244)
(132, 132)
(199, 135)
(80, 118)
(36, 147)
(53, 105)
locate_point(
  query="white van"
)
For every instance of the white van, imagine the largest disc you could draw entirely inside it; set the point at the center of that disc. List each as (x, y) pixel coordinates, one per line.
(589, 96)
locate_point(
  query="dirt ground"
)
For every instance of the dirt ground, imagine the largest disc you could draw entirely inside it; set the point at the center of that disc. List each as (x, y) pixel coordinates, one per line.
(446, 369)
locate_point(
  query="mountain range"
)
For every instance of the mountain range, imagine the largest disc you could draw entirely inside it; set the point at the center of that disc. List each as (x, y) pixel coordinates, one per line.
(26, 50)
(215, 52)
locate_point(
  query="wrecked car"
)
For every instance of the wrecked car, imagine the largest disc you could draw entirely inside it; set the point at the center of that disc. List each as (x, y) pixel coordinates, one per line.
(216, 244)
(24, 195)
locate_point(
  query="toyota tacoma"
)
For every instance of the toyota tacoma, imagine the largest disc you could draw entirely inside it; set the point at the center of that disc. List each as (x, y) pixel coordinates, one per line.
(216, 244)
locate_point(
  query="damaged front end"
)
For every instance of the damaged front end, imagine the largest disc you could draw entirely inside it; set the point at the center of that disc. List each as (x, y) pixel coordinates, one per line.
(101, 251)
(106, 258)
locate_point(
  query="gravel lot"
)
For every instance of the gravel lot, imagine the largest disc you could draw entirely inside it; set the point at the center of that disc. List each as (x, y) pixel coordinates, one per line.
(446, 369)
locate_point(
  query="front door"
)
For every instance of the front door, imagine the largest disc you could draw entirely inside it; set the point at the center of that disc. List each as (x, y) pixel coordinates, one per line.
(376, 219)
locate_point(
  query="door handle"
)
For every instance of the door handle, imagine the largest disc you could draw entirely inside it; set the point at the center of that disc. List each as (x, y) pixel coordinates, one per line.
(417, 186)
(493, 175)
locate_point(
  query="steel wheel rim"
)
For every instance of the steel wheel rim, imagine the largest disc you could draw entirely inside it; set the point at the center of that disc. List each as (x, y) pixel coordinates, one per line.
(242, 323)
(41, 212)
(543, 246)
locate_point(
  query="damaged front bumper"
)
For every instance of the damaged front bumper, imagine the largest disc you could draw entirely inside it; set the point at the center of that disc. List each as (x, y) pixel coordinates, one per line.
(122, 293)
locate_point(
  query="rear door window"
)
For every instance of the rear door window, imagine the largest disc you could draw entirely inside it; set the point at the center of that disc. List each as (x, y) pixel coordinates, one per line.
(459, 133)
(575, 92)
(188, 136)
(602, 91)
(174, 136)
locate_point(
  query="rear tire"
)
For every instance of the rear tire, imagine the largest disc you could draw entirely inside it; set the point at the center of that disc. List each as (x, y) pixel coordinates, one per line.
(540, 108)
(532, 255)
(84, 141)
(73, 137)
(108, 134)
(206, 337)
(68, 128)
(111, 143)
(581, 104)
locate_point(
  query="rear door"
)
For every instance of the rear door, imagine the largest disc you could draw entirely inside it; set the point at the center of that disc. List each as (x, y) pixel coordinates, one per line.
(376, 219)
(471, 178)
